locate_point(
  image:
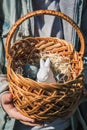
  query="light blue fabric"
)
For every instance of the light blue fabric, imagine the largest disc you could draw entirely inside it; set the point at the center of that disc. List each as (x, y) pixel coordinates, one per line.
(5, 122)
(47, 25)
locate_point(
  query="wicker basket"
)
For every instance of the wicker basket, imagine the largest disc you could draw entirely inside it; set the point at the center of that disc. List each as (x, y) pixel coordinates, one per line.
(42, 101)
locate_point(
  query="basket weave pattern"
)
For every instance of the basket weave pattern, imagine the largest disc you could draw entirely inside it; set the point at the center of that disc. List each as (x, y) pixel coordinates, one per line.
(42, 101)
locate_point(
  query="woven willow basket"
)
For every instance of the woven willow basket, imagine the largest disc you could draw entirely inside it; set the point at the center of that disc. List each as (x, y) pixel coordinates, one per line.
(42, 101)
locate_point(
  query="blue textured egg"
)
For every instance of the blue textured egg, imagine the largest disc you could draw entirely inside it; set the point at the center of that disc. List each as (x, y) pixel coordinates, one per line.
(30, 71)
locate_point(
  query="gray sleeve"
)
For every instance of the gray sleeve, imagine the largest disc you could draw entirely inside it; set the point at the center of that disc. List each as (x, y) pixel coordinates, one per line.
(3, 85)
(3, 76)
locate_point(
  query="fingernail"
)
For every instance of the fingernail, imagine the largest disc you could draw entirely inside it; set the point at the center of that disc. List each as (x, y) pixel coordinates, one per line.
(32, 120)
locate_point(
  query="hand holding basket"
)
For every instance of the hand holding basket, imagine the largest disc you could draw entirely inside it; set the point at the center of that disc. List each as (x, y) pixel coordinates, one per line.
(42, 101)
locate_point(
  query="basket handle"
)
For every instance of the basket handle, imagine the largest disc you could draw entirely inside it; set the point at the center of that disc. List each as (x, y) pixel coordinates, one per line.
(48, 12)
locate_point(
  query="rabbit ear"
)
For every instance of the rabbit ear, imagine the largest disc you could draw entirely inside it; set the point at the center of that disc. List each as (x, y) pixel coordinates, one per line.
(47, 63)
(42, 63)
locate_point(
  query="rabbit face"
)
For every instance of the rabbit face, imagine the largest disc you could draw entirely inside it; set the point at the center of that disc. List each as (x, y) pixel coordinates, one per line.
(45, 73)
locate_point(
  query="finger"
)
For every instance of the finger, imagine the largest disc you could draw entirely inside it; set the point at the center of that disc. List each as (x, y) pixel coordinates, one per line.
(18, 116)
(13, 113)
(6, 98)
(31, 124)
(11, 110)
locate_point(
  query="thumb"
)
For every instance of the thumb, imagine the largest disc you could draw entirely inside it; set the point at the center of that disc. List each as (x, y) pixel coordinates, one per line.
(6, 98)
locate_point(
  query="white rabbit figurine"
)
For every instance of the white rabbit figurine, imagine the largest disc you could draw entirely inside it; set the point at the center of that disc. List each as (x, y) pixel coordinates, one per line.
(45, 73)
